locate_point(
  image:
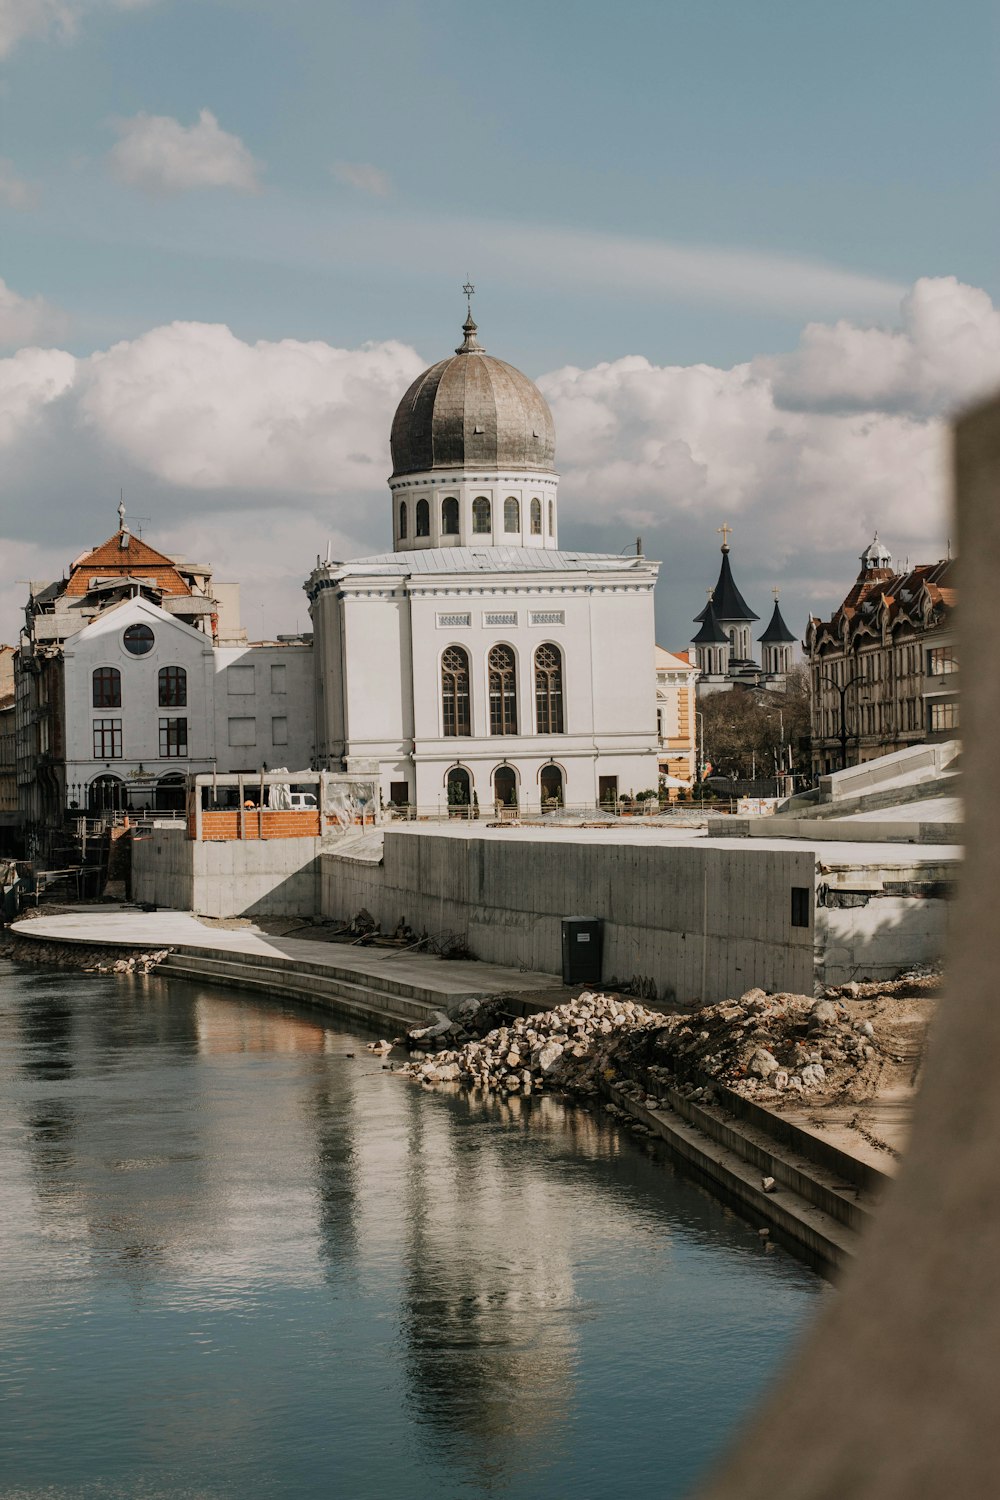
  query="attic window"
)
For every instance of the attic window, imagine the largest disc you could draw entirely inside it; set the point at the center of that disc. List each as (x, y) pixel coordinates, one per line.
(138, 640)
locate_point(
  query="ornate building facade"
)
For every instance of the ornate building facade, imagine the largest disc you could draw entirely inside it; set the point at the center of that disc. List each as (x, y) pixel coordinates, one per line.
(883, 668)
(478, 663)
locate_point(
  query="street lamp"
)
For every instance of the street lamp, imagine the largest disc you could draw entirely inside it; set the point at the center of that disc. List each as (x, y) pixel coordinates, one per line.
(701, 756)
(843, 711)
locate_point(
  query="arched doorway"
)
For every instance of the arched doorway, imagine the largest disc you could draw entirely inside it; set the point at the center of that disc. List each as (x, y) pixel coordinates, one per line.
(106, 794)
(505, 786)
(170, 793)
(551, 782)
(459, 785)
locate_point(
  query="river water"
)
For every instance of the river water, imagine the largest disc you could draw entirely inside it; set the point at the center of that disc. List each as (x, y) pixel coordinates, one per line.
(237, 1262)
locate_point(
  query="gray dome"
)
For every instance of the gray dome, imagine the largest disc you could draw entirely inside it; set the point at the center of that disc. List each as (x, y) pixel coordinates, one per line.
(472, 411)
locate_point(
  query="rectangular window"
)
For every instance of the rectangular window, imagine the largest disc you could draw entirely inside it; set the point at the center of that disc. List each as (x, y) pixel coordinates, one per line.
(279, 731)
(943, 716)
(547, 616)
(278, 671)
(801, 904)
(607, 790)
(242, 731)
(453, 621)
(399, 793)
(173, 738)
(239, 679)
(107, 739)
(500, 618)
(941, 660)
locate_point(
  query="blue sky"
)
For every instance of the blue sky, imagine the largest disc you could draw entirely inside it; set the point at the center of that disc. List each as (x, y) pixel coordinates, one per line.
(692, 183)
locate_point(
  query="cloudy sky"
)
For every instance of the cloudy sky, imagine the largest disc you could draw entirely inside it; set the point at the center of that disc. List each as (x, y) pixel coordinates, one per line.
(749, 251)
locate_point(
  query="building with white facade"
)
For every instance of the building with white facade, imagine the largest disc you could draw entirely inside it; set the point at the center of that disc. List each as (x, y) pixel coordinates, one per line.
(477, 662)
(132, 671)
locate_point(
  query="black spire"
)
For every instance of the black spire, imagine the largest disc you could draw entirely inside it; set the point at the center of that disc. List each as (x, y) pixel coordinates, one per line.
(728, 602)
(711, 632)
(777, 632)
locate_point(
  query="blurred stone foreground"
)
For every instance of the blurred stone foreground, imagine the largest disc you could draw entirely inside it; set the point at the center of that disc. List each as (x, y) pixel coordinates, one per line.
(896, 1393)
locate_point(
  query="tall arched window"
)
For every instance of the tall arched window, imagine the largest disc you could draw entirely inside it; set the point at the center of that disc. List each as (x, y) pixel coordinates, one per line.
(455, 715)
(552, 518)
(423, 518)
(503, 691)
(402, 520)
(536, 518)
(481, 516)
(107, 688)
(511, 514)
(449, 516)
(548, 690)
(173, 687)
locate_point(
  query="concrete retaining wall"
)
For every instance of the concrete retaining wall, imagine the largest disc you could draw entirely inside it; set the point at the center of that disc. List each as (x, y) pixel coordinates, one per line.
(273, 877)
(696, 920)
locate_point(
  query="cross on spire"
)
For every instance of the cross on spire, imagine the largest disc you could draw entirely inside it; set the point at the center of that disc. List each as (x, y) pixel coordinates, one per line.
(725, 531)
(777, 594)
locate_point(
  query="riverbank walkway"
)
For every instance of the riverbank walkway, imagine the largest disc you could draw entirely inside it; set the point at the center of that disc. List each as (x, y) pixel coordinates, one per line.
(376, 985)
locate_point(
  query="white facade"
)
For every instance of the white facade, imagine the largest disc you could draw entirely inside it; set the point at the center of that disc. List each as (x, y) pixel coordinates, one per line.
(382, 628)
(136, 724)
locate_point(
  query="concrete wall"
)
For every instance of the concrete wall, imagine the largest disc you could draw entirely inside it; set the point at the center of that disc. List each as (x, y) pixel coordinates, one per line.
(273, 877)
(877, 941)
(670, 914)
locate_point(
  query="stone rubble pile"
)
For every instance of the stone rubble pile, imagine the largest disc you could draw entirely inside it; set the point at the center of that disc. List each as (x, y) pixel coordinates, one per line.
(566, 1048)
(134, 963)
(765, 1047)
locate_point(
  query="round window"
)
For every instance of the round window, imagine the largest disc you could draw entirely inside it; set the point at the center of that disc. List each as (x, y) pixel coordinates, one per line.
(138, 639)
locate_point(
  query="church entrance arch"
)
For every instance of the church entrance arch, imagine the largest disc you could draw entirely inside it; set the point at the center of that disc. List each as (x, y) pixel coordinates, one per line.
(552, 784)
(505, 786)
(459, 786)
(106, 794)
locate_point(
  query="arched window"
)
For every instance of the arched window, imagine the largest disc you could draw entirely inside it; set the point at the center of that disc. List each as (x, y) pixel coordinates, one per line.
(423, 518)
(503, 691)
(536, 518)
(548, 690)
(106, 794)
(550, 781)
(481, 515)
(173, 687)
(459, 785)
(552, 518)
(449, 516)
(402, 520)
(455, 715)
(505, 786)
(107, 688)
(511, 514)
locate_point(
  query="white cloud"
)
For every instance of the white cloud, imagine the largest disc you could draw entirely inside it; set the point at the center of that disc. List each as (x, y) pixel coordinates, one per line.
(365, 177)
(160, 155)
(256, 452)
(196, 406)
(14, 191)
(23, 18)
(27, 320)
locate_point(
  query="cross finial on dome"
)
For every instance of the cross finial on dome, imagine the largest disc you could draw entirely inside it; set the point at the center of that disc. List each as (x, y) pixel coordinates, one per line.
(725, 531)
(470, 344)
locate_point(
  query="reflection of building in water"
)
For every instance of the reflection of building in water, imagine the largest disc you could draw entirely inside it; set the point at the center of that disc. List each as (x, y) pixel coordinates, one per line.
(491, 1317)
(226, 1026)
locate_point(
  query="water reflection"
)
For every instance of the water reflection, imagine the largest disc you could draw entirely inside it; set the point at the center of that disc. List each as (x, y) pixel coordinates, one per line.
(241, 1261)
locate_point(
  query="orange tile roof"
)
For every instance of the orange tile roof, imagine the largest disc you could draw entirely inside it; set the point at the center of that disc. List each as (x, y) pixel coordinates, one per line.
(138, 559)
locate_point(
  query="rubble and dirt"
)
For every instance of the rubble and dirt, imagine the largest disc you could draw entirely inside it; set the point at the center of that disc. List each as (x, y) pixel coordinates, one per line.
(94, 959)
(778, 1050)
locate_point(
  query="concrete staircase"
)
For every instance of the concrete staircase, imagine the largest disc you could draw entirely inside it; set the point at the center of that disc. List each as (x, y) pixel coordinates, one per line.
(823, 1197)
(380, 1002)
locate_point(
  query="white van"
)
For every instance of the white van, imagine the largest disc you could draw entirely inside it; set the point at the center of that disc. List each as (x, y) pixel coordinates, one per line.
(303, 801)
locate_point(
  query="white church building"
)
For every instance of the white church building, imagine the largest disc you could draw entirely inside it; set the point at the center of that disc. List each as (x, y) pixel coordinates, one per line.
(478, 663)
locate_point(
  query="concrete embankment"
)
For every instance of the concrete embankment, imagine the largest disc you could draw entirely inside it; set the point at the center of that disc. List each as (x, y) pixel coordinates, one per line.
(602, 1051)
